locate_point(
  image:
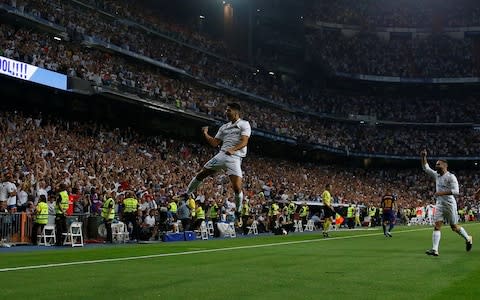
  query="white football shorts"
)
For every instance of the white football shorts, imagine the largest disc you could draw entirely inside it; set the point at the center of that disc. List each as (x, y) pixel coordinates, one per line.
(230, 163)
(446, 211)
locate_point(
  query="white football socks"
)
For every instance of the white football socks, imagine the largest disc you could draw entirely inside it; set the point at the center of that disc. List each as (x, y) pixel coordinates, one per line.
(193, 185)
(463, 233)
(239, 201)
(436, 235)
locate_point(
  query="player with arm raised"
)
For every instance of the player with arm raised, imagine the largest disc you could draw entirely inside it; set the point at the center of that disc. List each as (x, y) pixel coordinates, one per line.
(233, 138)
(446, 206)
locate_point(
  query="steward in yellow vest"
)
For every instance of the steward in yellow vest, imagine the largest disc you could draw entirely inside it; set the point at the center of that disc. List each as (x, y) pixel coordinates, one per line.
(130, 208)
(61, 206)
(41, 218)
(108, 214)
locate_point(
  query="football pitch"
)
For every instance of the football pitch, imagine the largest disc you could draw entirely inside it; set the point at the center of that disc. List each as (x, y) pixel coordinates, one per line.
(358, 264)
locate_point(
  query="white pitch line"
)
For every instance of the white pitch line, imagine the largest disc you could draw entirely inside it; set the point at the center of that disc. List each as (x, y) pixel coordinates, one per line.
(86, 262)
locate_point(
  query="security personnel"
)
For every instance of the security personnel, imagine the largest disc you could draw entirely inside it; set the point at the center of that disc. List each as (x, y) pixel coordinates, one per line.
(304, 213)
(41, 218)
(273, 213)
(172, 208)
(245, 214)
(213, 216)
(61, 207)
(292, 207)
(130, 209)
(350, 216)
(199, 214)
(108, 214)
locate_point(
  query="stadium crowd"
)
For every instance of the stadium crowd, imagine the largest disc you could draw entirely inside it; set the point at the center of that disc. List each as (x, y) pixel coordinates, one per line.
(81, 21)
(69, 152)
(365, 53)
(105, 69)
(403, 13)
(39, 153)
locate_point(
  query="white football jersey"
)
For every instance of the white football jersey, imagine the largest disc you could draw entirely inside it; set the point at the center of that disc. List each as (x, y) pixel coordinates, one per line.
(230, 134)
(445, 182)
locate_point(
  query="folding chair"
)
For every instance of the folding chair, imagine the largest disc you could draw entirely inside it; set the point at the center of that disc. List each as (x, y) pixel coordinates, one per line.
(210, 228)
(309, 226)
(230, 232)
(297, 224)
(48, 236)
(178, 227)
(119, 232)
(252, 229)
(74, 235)
(203, 231)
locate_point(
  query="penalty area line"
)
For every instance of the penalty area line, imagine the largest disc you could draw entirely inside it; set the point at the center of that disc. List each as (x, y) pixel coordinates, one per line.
(98, 261)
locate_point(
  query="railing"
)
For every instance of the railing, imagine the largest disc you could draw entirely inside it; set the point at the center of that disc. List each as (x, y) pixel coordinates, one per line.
(16, 228)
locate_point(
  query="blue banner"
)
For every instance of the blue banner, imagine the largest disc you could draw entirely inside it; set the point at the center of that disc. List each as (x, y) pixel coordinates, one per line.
(20, 70)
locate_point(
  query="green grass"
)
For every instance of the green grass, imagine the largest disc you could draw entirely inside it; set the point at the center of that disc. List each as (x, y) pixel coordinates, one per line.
(357, 265)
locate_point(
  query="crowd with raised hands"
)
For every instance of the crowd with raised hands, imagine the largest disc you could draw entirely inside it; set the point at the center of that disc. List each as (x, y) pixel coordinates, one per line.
(41, 152)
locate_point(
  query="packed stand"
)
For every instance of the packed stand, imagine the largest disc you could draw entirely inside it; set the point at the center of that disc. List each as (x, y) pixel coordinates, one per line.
(403, 13)
(296, 96)
(107, 70)
(40, 153)
(365, 53)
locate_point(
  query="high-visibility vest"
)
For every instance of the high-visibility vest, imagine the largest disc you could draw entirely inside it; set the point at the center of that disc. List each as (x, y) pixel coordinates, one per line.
(200, 213)
(172, 207)
(130, 205)
(372, 211)
(63, 204)
(291, 208)
(304, 211)
(42, 216)
(273, 209)
(350, 212)
(106, 207)
(214, 211)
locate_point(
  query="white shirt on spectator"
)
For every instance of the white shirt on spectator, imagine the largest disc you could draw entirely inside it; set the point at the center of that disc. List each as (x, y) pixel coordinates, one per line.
(3, 192)
(10, 188)
(22, 197)
(150, 221)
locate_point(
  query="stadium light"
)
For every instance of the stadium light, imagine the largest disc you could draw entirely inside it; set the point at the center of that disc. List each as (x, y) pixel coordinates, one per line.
(202, 17)
(57, 38)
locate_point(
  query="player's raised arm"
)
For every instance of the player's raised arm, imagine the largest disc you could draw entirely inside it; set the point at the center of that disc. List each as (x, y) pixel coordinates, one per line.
(423, 157)
(425, 166)
(214, 142)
